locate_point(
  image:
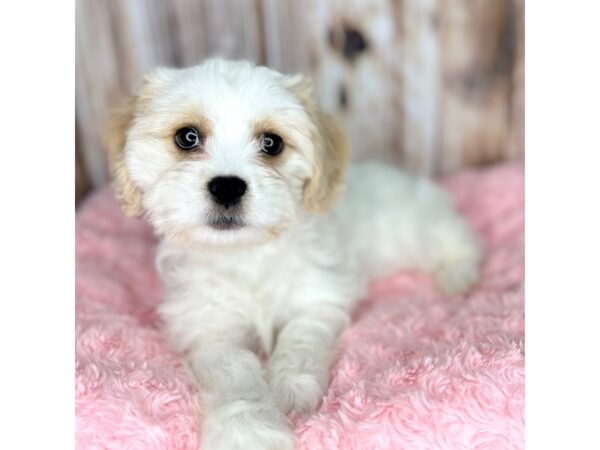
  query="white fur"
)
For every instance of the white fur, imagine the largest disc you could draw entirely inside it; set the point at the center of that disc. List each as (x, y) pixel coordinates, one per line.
(234, 296)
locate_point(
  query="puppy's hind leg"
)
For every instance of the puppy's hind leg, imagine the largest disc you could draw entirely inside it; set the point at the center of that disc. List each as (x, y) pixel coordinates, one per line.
(443, 240)
(456, 251)
(398, 222)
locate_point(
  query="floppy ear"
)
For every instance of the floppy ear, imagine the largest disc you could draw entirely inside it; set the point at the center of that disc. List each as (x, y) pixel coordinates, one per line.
(116, 137)
(331, 150)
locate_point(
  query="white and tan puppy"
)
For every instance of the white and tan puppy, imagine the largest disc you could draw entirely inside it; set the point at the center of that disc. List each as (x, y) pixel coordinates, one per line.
(264, 252)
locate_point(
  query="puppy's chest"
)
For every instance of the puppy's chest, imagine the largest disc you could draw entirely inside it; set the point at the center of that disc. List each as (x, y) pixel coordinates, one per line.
(259, 283)
(258, 287)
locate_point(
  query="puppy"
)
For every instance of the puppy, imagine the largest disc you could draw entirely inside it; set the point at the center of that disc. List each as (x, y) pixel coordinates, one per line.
(262, 256)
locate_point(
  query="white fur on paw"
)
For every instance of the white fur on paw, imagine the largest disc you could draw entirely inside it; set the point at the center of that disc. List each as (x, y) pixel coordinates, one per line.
(300, 392)
(236, 426)
(459, 277)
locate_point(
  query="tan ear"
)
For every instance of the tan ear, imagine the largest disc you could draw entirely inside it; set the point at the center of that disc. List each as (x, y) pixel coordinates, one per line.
(331, 151)
(116, 137)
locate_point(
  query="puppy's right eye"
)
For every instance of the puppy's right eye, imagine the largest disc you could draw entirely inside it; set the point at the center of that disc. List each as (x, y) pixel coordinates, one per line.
(187, 138)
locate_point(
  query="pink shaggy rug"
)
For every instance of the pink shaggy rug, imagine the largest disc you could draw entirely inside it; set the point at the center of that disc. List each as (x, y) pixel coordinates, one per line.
(415, 371)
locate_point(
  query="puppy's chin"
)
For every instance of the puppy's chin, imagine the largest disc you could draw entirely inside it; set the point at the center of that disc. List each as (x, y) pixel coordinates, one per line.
(227, 224)
(226, 234)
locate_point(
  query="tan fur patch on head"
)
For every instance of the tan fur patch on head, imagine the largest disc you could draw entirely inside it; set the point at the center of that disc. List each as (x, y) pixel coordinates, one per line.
(332, 151)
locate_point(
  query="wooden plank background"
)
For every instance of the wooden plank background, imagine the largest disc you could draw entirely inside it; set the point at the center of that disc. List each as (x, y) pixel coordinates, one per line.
(428, 85)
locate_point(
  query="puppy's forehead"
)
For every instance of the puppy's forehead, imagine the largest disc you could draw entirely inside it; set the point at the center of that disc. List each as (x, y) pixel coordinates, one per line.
(222, 88)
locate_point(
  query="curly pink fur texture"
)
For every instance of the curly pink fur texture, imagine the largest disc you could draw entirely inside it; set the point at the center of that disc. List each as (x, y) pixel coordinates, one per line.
(415, 370)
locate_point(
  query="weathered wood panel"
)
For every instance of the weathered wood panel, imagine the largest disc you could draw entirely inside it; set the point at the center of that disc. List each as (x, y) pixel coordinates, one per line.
(378, 70)
(429, 85)
(479, 51)
(356, 63)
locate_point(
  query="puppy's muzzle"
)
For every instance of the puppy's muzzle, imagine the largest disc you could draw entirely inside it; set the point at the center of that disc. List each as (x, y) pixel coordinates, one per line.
(227, 191)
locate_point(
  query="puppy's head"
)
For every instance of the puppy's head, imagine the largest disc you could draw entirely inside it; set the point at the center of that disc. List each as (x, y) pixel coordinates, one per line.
(225, 153)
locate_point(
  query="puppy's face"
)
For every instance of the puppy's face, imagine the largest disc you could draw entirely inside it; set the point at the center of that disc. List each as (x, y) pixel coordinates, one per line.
(224, 153)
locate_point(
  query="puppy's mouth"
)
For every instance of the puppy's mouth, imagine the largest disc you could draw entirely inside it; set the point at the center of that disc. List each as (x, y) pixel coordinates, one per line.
(226, 223)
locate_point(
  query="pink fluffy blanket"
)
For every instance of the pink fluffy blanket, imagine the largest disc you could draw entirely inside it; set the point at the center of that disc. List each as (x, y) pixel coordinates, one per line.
(416, 370)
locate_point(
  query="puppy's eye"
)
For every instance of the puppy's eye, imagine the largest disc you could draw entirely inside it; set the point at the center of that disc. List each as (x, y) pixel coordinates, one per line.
(187, 138)
(271, 144)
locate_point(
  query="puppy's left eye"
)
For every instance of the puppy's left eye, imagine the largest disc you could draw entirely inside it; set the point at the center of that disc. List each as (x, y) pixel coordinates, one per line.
(271, 144)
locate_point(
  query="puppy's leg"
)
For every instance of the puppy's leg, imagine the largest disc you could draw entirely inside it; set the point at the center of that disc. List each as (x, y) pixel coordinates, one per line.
(444, 244)
(239, 410)
(399, 222)
(298, 367)
(456, 253)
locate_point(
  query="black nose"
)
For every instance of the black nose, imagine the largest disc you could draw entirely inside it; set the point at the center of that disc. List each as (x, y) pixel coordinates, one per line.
(227, 191)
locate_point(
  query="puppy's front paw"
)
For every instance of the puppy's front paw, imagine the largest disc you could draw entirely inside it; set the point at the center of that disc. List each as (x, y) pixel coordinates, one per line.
(244, 425)
(458, 277)
(300, 392)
